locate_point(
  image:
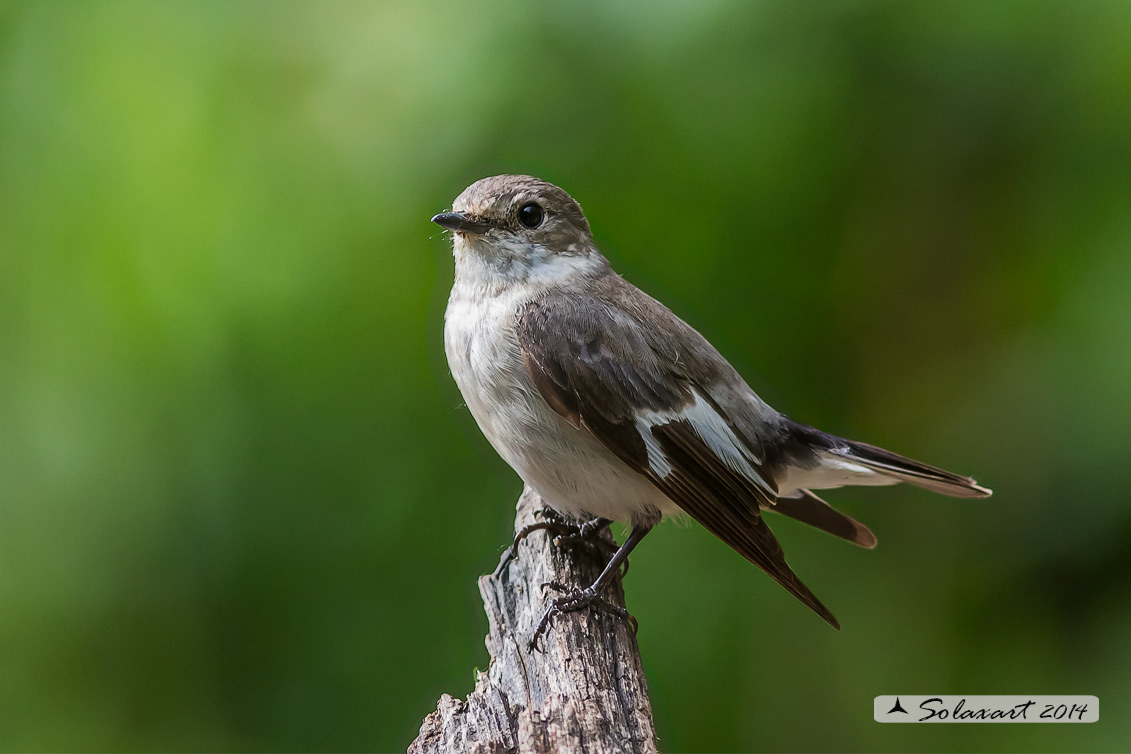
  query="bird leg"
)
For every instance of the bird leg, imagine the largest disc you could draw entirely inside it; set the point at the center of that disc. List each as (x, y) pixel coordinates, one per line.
(576, 599)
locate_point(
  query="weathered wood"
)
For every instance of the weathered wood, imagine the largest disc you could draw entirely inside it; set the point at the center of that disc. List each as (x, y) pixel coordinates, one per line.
(585, 692)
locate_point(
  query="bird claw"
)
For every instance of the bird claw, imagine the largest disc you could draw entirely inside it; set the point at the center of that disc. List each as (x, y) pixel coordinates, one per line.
(584, 534)
(566, 533)
(551, 515)
(552, 521)
(574, 600)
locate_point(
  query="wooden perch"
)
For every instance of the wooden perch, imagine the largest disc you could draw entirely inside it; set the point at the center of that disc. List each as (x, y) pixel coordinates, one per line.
(585, 692)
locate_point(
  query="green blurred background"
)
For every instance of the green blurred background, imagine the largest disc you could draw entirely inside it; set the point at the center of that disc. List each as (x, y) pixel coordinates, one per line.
(242, 508)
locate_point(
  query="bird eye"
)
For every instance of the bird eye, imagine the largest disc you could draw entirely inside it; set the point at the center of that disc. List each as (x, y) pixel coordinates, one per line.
(531, 214)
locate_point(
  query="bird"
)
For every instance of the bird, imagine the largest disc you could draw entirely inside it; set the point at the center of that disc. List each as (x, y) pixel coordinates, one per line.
(612, 408)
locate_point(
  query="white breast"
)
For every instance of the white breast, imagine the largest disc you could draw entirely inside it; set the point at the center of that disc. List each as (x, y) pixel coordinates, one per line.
(571, 470)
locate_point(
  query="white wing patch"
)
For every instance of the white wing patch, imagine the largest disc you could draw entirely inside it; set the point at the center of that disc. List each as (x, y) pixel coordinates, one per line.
(711, 428)
(657, 461)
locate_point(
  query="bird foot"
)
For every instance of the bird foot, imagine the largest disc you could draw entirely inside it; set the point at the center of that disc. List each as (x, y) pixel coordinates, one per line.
(572, 601)
(565, 532)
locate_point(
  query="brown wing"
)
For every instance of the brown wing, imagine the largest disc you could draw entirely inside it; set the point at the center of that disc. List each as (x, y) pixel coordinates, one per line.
(816, 512)
(597, 368)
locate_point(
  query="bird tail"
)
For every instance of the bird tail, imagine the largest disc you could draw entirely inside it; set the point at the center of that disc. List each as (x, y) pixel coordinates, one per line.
(820, 461)
(905, 469)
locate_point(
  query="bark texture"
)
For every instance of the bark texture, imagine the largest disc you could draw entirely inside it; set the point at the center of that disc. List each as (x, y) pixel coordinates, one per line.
(585, 692)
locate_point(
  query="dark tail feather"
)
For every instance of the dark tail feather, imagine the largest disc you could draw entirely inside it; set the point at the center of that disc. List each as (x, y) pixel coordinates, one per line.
(816, 512)
(913, 472)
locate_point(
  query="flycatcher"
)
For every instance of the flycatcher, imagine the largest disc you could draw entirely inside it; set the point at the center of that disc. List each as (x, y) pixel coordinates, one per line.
(612, 408)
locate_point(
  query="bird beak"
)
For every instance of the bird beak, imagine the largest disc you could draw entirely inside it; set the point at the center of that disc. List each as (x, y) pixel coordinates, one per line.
(458, 222)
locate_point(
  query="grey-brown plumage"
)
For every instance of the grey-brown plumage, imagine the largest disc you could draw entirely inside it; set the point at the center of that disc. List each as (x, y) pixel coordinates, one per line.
(609, 405)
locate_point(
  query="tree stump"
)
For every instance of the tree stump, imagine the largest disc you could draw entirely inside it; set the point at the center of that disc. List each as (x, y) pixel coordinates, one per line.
(583, 692)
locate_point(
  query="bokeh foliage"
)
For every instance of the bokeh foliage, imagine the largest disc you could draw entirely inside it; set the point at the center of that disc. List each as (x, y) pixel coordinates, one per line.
(241, 507)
